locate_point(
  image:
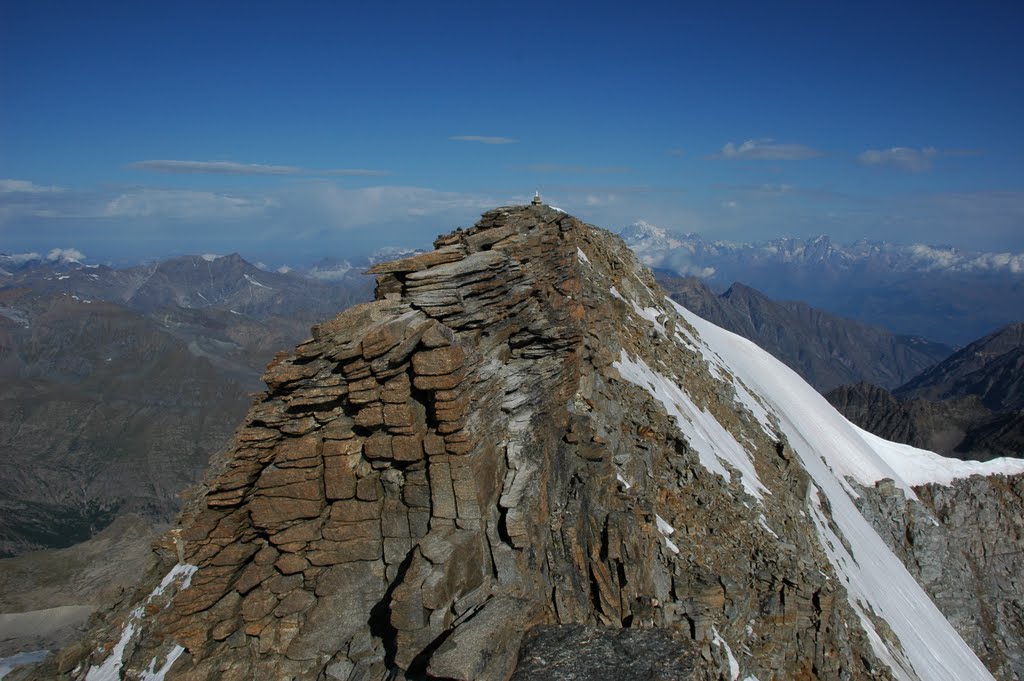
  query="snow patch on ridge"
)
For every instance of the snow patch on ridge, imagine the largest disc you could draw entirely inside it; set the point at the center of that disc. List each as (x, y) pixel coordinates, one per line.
(665, 529)
(110, 668)
(158, 675)
(256, 283)
(921, 467)
(734, 666)
(713, 443)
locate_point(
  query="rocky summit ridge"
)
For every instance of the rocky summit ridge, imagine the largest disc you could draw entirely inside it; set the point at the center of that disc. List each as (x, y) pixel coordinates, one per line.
(522, 448)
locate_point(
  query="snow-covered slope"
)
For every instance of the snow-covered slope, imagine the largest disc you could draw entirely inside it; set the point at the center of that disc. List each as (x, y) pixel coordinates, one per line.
(836, 453)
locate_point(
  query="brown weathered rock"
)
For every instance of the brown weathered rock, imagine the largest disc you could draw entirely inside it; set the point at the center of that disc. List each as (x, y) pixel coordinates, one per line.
(439, 361)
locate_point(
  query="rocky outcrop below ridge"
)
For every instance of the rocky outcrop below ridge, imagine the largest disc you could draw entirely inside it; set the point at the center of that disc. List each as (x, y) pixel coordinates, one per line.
(522, 435)
(962, 544)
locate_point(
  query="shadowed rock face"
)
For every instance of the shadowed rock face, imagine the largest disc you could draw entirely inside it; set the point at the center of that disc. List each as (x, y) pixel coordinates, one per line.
(825, 349)
(990, 368)
(968, 562)
(439, 471)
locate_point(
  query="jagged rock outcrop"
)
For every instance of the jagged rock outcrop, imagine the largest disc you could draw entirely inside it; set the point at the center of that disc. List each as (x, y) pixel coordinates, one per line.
(969, 561)
(877, 410)
(519, 434)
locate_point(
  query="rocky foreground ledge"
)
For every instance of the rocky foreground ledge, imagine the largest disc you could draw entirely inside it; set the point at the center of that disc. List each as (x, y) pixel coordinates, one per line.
(466, 459)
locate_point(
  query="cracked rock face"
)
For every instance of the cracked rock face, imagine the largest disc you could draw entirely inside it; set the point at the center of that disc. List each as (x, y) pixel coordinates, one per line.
(460, 462)
(962, 544)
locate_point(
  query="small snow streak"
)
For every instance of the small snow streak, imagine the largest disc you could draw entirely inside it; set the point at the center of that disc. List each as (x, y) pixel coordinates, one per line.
(110, 669)
(734, 666)
(256, 283)
(159, 674)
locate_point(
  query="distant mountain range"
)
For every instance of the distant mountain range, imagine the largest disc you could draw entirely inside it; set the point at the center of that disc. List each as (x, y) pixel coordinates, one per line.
(223, 307)
(969, 405)
(102, 412)
(117, 385)
(826, 350)
(943, 293)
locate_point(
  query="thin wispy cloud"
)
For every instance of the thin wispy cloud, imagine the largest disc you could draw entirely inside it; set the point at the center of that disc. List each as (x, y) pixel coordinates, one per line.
(26, 187)
(483, 139)
(174, 204)
(766, 149)
(904, 158)
(353, 172)
(234, 168)
(574, 169)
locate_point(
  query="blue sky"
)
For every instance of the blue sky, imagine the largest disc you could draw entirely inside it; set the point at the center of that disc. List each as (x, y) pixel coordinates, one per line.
(294, 131)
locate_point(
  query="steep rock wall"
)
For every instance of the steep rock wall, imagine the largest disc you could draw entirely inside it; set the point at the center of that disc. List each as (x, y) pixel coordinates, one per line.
(962, 543)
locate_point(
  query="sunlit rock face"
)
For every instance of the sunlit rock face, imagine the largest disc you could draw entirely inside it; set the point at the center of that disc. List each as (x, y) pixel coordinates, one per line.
(521, 437)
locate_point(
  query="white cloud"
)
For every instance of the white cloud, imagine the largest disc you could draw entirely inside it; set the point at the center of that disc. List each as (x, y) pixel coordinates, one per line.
(574, 169)
(335, 273)
(594, 200)
(65, 255)
(183, 204)
(483, 139)
(914, 160)
(730, 204)
(26, 187)
(332, 206)
(234, 168)
(688, 269)
(766, 149)
(775, 189)
(17, 259)
(284, 269)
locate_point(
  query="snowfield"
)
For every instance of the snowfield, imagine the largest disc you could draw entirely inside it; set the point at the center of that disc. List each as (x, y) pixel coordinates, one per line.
(838, 456)
(833, 450)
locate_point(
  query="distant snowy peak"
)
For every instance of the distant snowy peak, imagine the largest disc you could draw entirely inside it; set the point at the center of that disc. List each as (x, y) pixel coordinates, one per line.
(692, 254)
(657, 247)
(651, 237)
(333, 271)
(392, 253)
(641, 229)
